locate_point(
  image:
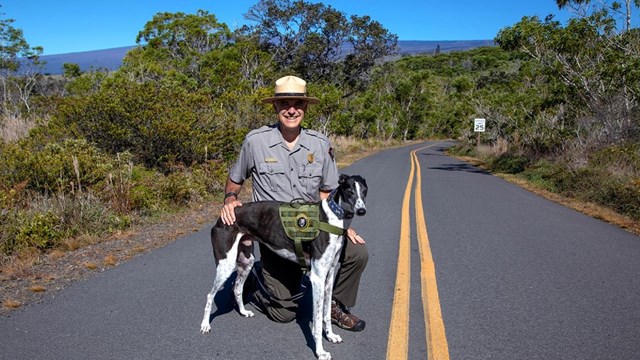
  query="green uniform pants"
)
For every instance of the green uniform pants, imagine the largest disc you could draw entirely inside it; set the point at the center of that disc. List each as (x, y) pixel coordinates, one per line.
(282, 278)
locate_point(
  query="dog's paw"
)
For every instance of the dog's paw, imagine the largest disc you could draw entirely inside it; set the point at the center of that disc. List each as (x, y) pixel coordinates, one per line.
(334, 338)
(246, 313)
(205, 329)
(324, 355)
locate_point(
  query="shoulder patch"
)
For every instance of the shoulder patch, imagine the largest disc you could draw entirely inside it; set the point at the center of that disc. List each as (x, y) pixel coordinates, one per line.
(317, 134)
(261, 130)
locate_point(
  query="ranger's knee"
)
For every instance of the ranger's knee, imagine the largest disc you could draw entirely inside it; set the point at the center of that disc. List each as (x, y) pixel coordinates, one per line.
(357, 256)
(282, 315)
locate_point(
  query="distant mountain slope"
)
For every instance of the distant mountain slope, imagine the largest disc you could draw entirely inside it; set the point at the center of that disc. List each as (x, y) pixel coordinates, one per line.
(111, 59)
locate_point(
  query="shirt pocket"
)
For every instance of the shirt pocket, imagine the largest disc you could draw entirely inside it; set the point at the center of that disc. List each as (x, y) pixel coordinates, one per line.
(274, 176)
(310, 176)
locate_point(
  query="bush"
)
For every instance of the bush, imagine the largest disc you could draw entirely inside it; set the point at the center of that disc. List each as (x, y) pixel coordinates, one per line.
(597, 185)
(621, 159)
(50, 167)
(545, 174)
(49, 220)
(462, 149)
(509, 164)
(158, 125)
(39, 230)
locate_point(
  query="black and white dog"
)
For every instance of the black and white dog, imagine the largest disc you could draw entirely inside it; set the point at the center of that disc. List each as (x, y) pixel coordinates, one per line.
(259, 221)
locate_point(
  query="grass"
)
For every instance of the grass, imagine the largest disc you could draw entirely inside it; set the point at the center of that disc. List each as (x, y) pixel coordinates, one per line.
(12, 128)
(11, 304)
(38, 288)
(110, 260)
(543, 189)
(349, 150)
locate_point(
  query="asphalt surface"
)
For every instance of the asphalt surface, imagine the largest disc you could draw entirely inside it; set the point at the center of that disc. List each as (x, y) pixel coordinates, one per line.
(519, 277)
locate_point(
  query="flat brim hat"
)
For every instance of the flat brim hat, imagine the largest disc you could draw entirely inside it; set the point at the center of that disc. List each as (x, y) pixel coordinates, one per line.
(290, 88)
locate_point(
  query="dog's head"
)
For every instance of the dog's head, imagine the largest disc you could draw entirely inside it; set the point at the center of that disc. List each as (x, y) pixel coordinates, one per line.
(352, 191)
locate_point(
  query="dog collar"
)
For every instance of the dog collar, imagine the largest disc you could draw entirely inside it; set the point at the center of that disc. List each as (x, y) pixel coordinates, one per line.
(337, 209)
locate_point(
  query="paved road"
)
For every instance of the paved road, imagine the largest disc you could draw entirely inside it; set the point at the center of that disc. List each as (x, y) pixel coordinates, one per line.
(518, 277)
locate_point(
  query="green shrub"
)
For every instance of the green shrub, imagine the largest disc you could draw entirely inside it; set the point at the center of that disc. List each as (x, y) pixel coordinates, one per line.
(159, 125)
(49, 220)
(597, 185)
(545, 174)
(509, 164)
(71, 164)
(39, 230)
(185, 186)
(619, 194)
(622, 159)
(462, 149)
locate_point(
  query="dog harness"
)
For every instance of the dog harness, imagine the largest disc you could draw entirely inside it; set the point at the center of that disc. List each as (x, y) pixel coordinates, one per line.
(302, 223)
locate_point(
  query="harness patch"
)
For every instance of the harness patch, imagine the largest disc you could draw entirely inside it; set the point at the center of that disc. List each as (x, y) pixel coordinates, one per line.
(301, 223)
(300, 220)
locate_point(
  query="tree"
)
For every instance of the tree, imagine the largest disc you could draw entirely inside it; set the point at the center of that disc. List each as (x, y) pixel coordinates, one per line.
(318, 42)
(179, 48)
(596, 66)
(18, 73)
(71, 70)
(584, 7)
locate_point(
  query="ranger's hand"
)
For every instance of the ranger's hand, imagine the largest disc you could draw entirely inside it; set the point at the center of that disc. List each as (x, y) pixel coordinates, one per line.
(354, 237)
(228, 214)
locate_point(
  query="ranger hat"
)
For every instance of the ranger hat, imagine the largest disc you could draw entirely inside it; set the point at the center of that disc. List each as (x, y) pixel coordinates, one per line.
(291, 87)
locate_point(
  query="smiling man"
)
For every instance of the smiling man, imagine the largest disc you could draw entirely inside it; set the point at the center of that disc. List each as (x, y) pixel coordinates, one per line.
(288, 162)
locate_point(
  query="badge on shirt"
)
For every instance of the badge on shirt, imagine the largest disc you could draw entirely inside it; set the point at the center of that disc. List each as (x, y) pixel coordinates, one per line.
(310, 158)
(271, 160)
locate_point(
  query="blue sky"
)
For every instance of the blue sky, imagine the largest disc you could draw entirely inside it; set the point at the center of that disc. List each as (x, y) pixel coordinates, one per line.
(65, 26)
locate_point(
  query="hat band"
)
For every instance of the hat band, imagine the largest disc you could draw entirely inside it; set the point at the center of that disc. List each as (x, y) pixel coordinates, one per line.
(291, 94)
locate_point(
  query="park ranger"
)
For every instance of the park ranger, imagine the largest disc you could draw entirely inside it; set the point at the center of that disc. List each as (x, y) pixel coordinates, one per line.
(287, 162)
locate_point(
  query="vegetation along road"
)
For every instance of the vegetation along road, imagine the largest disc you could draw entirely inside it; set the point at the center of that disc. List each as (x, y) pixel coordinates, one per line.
(463, 265)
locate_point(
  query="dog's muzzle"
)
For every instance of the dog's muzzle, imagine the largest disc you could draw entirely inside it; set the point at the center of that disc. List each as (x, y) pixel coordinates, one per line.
(360, 208)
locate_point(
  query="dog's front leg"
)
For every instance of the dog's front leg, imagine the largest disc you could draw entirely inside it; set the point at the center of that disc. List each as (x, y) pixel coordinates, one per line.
(318, 277)
(328, 296)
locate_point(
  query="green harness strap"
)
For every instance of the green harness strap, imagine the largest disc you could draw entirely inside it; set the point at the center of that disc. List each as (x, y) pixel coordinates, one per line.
(302, 223)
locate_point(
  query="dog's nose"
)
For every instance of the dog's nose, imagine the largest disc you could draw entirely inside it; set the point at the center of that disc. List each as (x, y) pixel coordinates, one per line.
(361, 211)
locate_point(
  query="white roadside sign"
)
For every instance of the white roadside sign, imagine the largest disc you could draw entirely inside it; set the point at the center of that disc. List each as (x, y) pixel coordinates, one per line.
(479, 125)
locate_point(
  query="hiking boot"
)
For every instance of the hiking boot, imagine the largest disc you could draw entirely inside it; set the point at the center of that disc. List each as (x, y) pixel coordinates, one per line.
(341, 316)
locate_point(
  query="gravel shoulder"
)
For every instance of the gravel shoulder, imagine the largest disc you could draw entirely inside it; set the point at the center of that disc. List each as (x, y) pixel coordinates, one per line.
(27, 281)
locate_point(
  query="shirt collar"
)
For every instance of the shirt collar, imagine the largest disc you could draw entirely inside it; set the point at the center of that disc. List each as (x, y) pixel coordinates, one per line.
(275, 137)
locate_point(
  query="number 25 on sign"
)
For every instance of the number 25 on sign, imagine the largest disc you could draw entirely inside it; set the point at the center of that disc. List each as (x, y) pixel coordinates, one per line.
(478, 125)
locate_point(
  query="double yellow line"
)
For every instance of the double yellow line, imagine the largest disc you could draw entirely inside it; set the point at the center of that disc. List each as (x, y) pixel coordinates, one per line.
(398, 343)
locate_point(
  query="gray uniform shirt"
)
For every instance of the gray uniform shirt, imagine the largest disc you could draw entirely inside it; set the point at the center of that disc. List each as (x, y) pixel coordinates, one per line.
(284, 175)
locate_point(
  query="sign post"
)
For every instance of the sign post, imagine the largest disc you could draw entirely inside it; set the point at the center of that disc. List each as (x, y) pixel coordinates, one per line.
(479, 126)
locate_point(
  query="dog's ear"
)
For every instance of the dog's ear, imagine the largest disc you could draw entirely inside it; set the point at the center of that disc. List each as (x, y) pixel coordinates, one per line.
(360, 179)
(342, 179)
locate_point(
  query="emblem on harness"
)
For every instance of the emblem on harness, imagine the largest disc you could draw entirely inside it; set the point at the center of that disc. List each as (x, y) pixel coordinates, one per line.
(302, 222)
